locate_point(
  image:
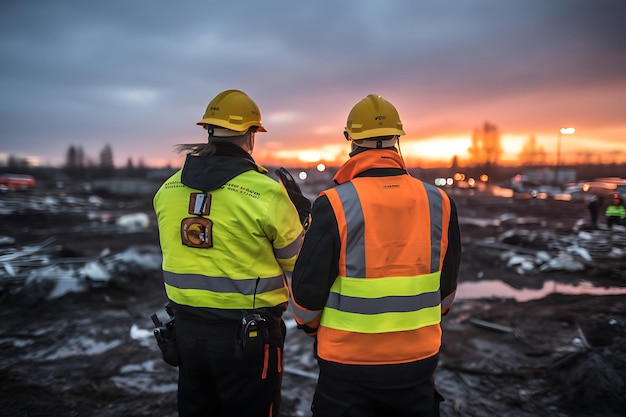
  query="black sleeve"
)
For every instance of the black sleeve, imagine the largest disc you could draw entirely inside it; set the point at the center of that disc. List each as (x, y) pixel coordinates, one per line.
(452, 260)
(317, 265)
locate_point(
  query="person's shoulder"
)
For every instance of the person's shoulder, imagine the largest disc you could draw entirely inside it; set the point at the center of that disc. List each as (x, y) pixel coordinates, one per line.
(263, 180)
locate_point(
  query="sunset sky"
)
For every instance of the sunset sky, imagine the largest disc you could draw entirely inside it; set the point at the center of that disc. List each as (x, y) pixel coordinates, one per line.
(138, 74)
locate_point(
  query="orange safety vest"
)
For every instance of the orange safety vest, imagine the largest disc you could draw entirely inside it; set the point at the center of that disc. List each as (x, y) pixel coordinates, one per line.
(385, 306)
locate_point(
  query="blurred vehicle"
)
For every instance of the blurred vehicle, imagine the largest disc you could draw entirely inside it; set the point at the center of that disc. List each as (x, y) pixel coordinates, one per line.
(606, 187)
(14, 182)
(571, 192)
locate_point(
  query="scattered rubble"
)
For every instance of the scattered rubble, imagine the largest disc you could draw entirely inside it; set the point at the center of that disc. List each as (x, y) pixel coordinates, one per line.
(48, 271)
(530, 251)
(80, 276)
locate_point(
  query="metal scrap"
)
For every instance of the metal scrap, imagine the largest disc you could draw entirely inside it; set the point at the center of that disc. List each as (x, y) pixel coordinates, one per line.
(39, 265)
(530, 252)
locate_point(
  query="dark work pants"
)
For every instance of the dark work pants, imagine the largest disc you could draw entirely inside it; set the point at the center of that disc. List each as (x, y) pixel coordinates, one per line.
(342, 398)
(611, 220)
(594, 211)
(216, 378)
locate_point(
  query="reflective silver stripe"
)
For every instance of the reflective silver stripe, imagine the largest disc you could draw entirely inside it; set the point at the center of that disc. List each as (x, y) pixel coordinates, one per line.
(446, 303)
(222, 284)
(399, 304)
(290, 250)
(355, 241)
(305, 316)
(435, 202)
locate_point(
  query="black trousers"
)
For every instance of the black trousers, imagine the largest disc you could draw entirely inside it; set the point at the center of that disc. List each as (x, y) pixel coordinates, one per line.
(217, 379)
(335, 397)
(611, 220)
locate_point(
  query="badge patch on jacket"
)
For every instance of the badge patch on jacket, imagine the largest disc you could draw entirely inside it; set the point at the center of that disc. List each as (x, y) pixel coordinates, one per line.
(196, 232)
(199, 204)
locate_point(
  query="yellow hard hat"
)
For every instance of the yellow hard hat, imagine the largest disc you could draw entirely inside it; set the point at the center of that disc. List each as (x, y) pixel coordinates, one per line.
(234, 110)
(373, 117)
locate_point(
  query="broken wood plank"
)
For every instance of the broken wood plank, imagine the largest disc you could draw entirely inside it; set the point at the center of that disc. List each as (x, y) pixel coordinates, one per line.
(492, 326)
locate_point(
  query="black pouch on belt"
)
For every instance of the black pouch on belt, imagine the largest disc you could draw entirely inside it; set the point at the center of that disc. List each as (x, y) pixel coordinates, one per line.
(253, 333)
(165, 334)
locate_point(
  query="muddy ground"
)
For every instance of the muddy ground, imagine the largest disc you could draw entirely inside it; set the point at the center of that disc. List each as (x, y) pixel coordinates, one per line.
(91, 353)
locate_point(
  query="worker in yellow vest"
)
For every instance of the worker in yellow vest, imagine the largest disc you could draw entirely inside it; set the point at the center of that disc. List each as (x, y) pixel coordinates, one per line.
(228, 232)
(615, 212)
(377, 270)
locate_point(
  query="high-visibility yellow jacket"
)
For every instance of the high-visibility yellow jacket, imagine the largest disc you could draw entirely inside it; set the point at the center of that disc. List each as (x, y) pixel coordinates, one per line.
(227, 233)
(613, 210)
(395, 265)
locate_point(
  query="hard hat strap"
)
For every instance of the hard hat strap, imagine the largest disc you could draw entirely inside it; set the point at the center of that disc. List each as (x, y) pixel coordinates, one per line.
(222, 132)
(376, 143)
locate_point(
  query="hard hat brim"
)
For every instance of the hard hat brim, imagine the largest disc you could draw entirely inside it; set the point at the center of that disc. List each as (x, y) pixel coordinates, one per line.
(373, 133)
(219, 122)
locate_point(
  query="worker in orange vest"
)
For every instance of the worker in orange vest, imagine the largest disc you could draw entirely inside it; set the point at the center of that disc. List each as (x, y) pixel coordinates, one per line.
(377, 270)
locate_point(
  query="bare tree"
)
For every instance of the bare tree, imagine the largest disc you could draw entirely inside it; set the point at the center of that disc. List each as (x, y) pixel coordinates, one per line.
(532, 153)
(486, 148)
(106, 157)
(75, 162)
(70, 157)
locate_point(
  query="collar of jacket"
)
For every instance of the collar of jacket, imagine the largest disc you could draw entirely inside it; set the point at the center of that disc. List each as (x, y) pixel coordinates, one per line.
(370, 159)
(210, 172)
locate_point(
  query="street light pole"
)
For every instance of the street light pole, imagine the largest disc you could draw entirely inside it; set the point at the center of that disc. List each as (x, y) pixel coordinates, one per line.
(562, 131)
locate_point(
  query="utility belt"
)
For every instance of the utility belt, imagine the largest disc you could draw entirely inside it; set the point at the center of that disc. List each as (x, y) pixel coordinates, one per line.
(254, 329)
(251, 331)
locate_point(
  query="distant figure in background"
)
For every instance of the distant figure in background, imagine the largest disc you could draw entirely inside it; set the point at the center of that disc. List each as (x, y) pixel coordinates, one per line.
(594, 202)
(615, 212)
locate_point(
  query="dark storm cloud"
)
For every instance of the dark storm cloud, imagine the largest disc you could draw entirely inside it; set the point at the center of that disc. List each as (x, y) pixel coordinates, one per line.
(75, 72)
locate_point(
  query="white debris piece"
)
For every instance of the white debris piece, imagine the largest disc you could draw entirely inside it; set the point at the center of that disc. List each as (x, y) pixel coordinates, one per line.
(9, 268)
(543, 256)
(134, 220)
(50, 201)
(94, 199)
(521, 262)
(137, 333)
(148, 257)
(582, 252)
(25, 251)
(95, 271)
(144, 336)
(507, 216)
(66, 286)
(6, 240)
(563, 261)
(479, 222)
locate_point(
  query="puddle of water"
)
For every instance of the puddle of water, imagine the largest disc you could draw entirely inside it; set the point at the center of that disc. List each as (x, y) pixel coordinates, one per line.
(499, 289)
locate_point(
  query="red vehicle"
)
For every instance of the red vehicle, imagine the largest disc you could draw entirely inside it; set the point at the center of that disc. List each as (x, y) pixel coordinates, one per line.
(13, 182)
